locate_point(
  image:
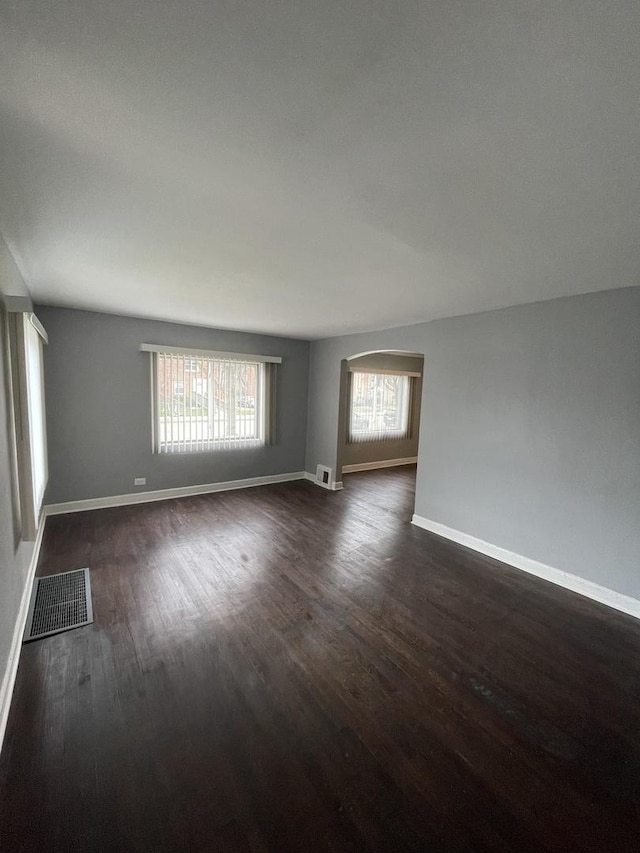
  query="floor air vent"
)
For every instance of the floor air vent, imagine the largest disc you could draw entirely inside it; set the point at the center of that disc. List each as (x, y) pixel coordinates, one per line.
(59, 603)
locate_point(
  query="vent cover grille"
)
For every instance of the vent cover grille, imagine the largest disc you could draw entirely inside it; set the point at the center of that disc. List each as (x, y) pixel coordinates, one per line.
(59, 603)
(324, 476)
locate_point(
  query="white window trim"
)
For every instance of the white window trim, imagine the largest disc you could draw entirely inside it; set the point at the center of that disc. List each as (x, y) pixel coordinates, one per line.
(387, 434)
(206, 353)
(264, 403)
(415, 374)
(30, 502)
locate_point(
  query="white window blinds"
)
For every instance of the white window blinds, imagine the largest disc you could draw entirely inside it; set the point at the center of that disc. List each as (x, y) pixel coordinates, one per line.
(379, 409)
(27, 340)
(210, 402)
(36, 409)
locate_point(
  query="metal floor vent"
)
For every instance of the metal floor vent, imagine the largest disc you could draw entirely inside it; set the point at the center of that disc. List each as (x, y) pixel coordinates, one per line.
(59, 603)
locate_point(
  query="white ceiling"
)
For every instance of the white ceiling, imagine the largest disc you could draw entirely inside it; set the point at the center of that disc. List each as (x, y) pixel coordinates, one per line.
(312, 167)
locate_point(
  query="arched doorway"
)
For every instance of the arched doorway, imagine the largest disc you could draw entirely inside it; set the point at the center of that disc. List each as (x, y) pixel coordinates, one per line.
(379, 410)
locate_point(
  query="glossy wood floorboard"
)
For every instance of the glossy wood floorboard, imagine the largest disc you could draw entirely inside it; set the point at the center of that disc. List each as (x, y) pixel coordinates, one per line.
(289, 669)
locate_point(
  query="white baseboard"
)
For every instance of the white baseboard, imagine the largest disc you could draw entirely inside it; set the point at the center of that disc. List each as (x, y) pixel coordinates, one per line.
(592, 590)
(11, 670)
(332, 487)
(386, 463)
(167, 494)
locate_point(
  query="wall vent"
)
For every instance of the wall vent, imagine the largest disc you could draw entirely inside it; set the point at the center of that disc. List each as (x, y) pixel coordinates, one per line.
(324, 476)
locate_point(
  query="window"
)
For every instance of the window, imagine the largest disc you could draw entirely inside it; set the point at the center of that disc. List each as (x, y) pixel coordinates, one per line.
(211, 401)
(379, 406)
(27, 339)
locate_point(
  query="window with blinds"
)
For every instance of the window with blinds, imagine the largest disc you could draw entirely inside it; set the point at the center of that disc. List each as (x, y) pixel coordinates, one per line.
(205, 403)
(27, 338)
(380, 404)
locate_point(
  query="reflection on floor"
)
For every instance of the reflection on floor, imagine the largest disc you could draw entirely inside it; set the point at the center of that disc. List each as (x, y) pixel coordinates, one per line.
(289, 669)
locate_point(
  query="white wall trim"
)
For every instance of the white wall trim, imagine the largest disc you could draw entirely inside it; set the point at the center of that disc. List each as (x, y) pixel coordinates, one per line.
(167, 494)
(332, 487)
(206, 353)
(617, 600)
(385, 463)
(11, 671)
(386, 371)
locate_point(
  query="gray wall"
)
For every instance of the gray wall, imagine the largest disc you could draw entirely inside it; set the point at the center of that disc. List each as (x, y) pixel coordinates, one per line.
(530, 430)
(98, 406)
(380, 451)
(15, 555)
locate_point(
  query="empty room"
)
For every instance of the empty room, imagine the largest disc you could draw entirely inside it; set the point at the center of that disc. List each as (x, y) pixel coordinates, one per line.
(320, 426)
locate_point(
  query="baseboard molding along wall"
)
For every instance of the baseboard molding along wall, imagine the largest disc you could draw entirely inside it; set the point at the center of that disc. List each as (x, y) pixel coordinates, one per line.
(370, 466)
(332, 486)
(624, 603)
(11, 671)
(167, 494)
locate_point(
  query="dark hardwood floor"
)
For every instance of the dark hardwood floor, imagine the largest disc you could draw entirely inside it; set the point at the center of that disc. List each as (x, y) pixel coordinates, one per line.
(289, 669)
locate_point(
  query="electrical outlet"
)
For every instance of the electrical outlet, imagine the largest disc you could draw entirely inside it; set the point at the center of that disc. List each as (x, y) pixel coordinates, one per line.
(140, 481)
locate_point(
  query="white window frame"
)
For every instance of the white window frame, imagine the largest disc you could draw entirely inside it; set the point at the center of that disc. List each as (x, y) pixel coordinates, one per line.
(27, 338)
(264, 401)
(356, 436)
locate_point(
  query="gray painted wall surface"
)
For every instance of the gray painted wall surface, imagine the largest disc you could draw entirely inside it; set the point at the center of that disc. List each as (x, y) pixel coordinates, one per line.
(15, 554)
(530, 429)
(98, 406)
(380, 451)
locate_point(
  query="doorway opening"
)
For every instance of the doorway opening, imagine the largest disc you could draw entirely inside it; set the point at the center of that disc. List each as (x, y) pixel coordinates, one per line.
(379, 411)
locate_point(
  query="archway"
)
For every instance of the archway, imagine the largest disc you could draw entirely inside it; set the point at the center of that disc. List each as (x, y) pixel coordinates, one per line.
(380, 397)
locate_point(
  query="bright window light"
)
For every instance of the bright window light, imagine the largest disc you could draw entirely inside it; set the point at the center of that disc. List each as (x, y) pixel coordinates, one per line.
(27, 338)
(379, 406)
(207, 404)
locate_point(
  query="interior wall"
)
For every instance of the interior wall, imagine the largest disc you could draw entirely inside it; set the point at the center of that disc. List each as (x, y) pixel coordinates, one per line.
(368, 452)
(15, 554)
(530, 428)
(98, 397)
